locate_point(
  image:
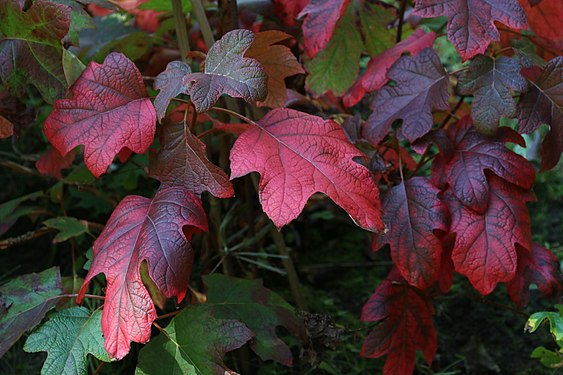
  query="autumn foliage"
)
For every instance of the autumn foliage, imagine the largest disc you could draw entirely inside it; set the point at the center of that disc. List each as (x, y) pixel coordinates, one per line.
(350, 99)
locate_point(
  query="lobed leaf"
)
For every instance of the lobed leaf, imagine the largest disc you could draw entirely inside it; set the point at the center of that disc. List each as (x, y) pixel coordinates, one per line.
(485, 244)
(471, 23)
(68, 337)
(421, 84)
(412, 212)
(154, 230)
(109, 111)
(543, 104)
(298, 155)
(181, 161)
(490, 82)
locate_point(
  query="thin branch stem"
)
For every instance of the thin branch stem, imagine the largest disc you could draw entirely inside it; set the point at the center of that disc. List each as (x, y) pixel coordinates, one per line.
(401, 20)
(452, 114)
(9, 242)
(199, 12)
(168, 315)
(234, 114)
(181, 29)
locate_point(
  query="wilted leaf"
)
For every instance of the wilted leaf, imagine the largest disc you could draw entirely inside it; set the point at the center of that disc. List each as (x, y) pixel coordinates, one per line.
(411, 212)
(421, 84)
(109, 110)
(257, 307)
(543, 104)
(181, 161)
(406, 325)
(140, 229)
(490, 82)
(24, 301)
(278, 62)
(485, 244)
(68, 337)
(298, 155)
(31, 47)
(193, 343)
(471, 23)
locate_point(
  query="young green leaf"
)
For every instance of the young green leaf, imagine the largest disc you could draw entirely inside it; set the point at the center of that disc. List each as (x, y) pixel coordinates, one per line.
(68, 337)
(68, 227)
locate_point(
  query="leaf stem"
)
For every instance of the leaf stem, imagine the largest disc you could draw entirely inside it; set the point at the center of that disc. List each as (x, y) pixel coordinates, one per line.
(168, 315)
(234, 114)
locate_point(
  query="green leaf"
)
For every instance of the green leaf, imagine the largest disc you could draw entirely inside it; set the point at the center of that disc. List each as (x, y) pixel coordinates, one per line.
(79, 20)
(68, 337)
(7, 209)
(24, 301)
(194, 343)
(72, 67)
(165, 6)
(68, 227)
(555, 320)
(547, 357)
(336, 66)
(31, 48)
(375, 19)
(257, 307)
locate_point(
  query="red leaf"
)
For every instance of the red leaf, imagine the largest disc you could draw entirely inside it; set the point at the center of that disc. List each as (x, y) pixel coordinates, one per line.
(376, 73)
(288, 10)
(52, 163)
(538, 266)
(298, 155)
(471, 23)
(406, 326)
(109, 110)
(319, 19)
(6, 128)
(411, 212)
(545, 20)
(421, 84)
(278, 63)
(228, 72)
(182, 162)
(140, 229)
(473, 154)
(543, 104)
(485, 243)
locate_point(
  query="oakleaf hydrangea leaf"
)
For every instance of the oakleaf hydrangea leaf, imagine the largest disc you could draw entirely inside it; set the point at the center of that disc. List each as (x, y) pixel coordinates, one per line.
(68, 337)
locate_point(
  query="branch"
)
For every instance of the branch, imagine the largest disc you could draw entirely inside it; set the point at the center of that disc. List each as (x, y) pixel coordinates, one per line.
(181, 29)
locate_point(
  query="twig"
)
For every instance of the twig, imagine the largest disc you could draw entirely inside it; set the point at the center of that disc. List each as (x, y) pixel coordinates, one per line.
(19, 168)
(9, 242)
(199, 13)
(168, 315)
(181, 29)
(401, 20)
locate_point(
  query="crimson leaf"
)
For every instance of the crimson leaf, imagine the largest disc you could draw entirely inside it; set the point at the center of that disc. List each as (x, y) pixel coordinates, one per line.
(319, 20)
(109, 111)
(537, 266)
(406, 315)
(471, 23)
(411, 212)
(140, 229)
(51, 163)
(489, 81)
(421, 84)
(31, 48)
(473, 153)
(182, 162)
(376, 73)
(298, 155)
(543, 104)
(228, 72)
(485, 242)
